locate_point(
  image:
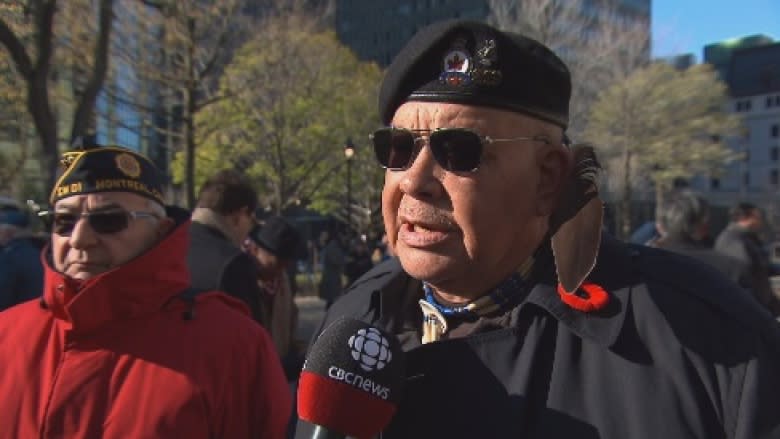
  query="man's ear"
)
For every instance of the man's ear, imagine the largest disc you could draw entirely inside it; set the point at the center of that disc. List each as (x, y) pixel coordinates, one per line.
(555, 166)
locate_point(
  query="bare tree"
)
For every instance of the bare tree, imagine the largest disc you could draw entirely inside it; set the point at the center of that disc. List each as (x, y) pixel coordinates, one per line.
(34, 62)
(15, 122)
(600, 43)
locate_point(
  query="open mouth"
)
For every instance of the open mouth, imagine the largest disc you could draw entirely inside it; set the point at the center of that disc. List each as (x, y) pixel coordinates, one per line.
(422, 229)
(421, 235)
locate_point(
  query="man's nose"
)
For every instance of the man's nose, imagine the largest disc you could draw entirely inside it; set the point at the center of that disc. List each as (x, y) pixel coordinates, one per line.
(423, 177)
(83, 235)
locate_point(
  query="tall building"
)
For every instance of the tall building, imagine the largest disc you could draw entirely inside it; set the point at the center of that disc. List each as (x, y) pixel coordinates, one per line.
(122, 107)
(680, 62)
(377, 30)
(719, 54)
(752, 74)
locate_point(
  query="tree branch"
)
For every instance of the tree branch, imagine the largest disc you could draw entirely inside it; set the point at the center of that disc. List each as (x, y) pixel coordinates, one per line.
(160, 5)
(45, 27)
(87, 103)
(16, 49)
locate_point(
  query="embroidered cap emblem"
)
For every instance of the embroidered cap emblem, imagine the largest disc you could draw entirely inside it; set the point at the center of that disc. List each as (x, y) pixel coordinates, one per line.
(457, 61)
(128, 165)
(461, 68)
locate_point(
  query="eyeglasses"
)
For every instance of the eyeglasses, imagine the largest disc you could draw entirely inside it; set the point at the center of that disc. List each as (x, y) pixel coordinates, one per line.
(455, 149)
(103, 222)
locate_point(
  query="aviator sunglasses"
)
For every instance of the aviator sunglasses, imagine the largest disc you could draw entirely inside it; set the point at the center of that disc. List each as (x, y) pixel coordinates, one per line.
(103, 222)
(455, 149)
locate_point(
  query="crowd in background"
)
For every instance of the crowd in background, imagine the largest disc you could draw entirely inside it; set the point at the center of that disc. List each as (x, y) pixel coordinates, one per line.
(339, 256)
(738, 251)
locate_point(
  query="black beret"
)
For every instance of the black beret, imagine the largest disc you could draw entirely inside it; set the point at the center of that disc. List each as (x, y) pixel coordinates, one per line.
(277, 236)
(471, 63)
(107, 169)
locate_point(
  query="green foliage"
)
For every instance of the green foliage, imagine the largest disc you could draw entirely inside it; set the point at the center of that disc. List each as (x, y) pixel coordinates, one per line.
(294, 98)
(673, 123)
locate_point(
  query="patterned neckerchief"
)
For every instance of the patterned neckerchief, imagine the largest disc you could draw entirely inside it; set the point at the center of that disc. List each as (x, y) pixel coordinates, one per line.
(501, 298)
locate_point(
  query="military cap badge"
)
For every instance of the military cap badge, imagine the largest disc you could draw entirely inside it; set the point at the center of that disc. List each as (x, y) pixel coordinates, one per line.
(128, 165)
(461, 68)
(456, 65)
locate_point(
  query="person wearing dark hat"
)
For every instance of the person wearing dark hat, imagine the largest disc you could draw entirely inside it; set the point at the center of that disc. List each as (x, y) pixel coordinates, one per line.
(21, 273)
(119, 345)
(274, 246)
(221, 221)
(519, 318)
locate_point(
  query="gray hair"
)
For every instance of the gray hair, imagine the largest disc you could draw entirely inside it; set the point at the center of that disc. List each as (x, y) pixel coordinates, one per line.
(683, 212)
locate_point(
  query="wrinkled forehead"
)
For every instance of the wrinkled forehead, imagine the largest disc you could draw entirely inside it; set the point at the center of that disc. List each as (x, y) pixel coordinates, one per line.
(425, 115)
(121, 200)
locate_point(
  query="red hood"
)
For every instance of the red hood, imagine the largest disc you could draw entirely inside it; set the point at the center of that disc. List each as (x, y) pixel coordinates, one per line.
(137, 288)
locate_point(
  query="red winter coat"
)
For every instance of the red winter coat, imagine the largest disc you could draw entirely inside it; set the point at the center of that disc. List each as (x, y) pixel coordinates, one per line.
(116, 357)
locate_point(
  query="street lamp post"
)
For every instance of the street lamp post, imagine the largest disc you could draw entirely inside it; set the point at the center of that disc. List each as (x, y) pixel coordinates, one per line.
(349, 152)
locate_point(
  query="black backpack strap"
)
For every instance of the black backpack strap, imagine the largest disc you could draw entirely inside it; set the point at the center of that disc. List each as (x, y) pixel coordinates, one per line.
(191, 292)
(189, 295)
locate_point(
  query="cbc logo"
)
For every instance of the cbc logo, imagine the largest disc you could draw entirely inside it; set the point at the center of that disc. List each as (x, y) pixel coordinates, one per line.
(370, 349)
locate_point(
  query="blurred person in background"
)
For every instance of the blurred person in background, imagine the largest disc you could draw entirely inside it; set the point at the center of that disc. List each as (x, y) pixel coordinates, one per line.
(333, 259)
(221, 221)
(274, 246)
(740, 239)
(21, 272)
(358, 260)
(645, 234)
(684, 221)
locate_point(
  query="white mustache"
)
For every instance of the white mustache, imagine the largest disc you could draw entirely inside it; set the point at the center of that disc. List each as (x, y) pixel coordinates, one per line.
(427, 216)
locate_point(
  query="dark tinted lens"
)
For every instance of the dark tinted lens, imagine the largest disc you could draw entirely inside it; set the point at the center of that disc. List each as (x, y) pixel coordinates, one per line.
(108, 222)
(393, 147)
(456, 150)
(63, 223)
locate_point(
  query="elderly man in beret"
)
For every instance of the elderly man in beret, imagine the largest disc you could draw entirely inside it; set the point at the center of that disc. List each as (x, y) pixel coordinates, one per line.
(119, 345)
(518, 317)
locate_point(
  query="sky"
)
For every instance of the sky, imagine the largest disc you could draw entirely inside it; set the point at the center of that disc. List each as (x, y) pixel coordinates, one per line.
(686, 26)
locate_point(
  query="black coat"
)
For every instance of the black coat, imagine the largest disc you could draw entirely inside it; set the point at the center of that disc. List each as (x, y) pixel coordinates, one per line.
(679, 352)
(215, 263)
(734, 269)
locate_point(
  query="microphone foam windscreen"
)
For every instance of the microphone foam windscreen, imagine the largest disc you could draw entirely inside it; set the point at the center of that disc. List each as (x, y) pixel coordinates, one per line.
(352, 379)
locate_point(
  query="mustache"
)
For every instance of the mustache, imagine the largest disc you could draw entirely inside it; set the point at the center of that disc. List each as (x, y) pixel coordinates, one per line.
(427, 215)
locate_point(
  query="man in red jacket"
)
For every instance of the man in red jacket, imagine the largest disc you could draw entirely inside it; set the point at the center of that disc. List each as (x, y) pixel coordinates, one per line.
(119, 345)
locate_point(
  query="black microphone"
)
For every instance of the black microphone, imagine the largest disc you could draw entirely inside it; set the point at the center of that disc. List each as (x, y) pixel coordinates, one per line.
(351, 382)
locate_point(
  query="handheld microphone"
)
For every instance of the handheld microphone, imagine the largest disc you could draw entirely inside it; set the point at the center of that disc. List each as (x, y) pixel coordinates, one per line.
(351, 381)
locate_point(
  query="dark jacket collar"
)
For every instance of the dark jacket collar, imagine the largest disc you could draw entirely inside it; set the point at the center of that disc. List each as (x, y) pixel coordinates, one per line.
(208, 229)
(392, 293)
